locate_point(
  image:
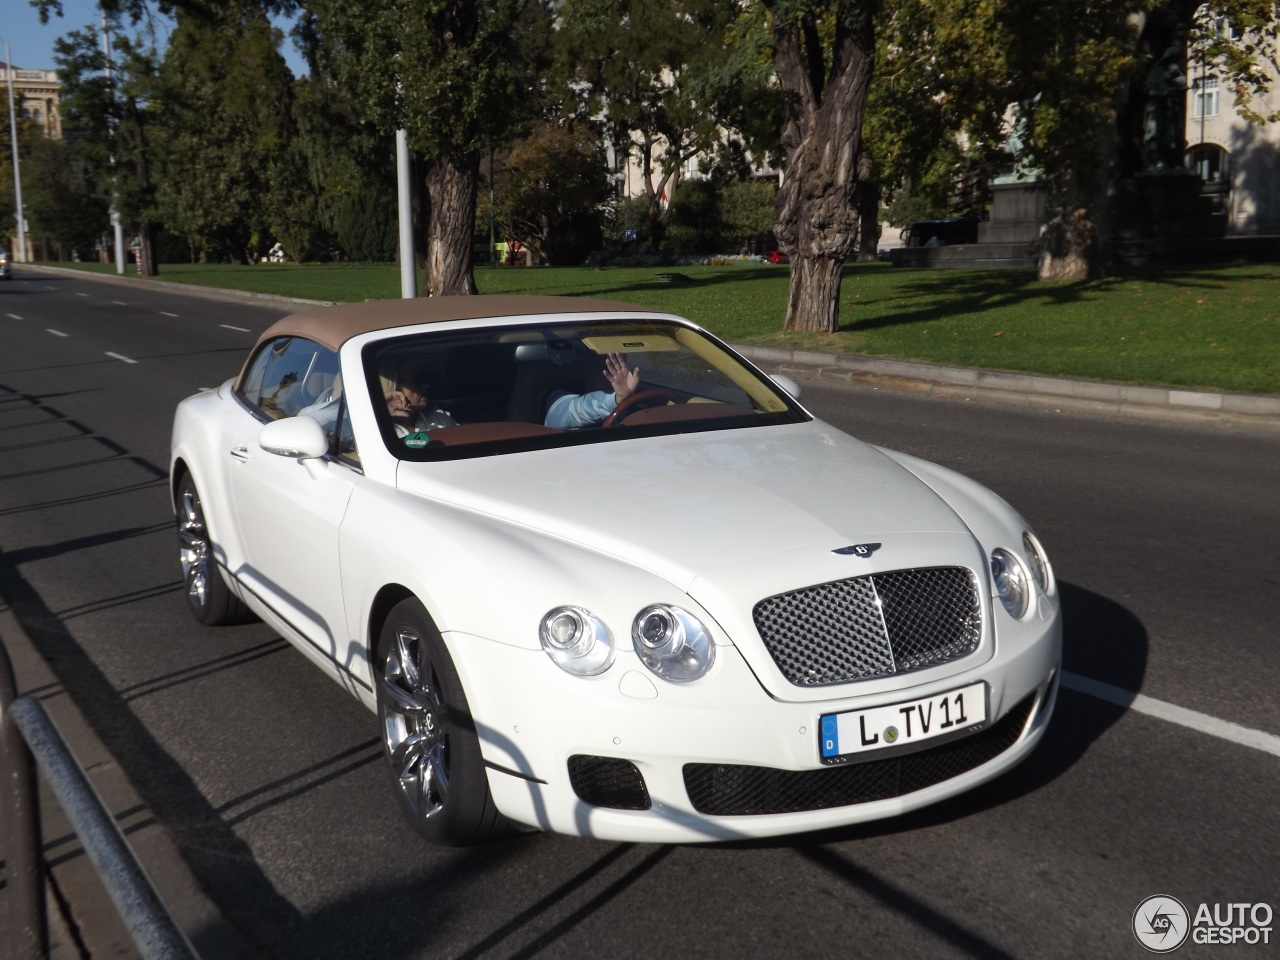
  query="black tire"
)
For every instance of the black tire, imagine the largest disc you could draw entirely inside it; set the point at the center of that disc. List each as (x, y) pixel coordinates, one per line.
(428, 737)
(209, 598)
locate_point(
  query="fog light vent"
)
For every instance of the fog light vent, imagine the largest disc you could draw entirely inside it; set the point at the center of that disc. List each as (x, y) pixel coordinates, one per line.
(608, 782)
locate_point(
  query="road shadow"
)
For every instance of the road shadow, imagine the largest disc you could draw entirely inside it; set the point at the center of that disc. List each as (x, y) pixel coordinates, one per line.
(207, 841)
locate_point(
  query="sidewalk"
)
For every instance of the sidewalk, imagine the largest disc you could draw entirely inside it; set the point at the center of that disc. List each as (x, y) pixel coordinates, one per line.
(1090, 397)
(82, 920)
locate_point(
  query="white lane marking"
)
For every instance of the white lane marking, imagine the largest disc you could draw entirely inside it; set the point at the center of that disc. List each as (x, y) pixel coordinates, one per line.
(51, 288)
(119, 356)
(168, 314)
(1192, 719)
(119, 303)
(230, 327)
(13, 316)
(81, 294)
(57, 333)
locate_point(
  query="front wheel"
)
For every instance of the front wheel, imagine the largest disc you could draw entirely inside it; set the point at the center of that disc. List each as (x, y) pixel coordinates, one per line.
(209, 598)
(428, 736)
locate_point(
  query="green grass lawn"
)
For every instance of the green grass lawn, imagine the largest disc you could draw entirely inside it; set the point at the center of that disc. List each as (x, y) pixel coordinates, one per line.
(1210, 327)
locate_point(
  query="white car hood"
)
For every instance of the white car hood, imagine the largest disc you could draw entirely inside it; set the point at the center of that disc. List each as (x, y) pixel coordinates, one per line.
(685, 506)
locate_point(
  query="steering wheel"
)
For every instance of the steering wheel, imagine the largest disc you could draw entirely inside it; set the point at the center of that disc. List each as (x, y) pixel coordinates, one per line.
(634, 403)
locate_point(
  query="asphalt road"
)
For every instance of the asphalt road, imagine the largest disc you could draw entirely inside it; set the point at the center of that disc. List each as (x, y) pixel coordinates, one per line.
(269, 777)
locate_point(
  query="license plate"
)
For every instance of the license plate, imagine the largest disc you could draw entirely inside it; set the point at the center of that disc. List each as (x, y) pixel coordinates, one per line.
(903, 724)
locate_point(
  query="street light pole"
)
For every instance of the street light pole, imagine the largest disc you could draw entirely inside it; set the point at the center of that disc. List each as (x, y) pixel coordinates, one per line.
(19, 215)
(116, 226)
(404, 199)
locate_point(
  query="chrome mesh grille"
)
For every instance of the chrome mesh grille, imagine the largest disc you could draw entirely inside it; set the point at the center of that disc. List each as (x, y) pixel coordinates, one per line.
(872, 626)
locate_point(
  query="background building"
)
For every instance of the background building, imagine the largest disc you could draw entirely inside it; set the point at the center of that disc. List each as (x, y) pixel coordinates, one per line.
(36, 96)
(1239, 160)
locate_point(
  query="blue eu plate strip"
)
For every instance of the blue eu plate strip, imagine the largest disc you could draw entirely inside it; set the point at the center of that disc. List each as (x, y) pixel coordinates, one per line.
(830, 737)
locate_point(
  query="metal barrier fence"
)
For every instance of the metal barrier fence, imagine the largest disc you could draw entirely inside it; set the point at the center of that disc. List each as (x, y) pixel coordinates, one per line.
(26, 732)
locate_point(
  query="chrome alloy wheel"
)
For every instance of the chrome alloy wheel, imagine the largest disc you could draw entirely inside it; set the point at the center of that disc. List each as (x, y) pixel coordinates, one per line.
(415, 725)
(193, 549)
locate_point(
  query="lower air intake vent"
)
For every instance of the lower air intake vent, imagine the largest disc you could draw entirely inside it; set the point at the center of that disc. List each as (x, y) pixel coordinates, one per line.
(724, 790)
(608, 782)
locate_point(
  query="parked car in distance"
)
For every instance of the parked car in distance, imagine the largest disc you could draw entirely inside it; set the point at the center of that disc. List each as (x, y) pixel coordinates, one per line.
(702, 615)
(6, 265)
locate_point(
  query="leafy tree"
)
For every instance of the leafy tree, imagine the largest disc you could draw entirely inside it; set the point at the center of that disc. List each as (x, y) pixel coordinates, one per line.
(8, 200)
(934, 114)
(1081, 64)
(551, 186)
(746, 211)
(694, 226)
(345, 193)
(660, 74)
(61, 207)
(457, 76)
(1070, 62)
(106, 116)
(222, 109)
(1237, 39)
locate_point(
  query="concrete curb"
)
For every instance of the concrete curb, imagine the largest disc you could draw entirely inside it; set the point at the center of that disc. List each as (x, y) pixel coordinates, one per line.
(189, 289)
(1081, 395)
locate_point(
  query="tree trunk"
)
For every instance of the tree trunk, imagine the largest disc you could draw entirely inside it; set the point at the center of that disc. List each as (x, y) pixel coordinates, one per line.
(657, 226)
(147, 250)
(1071, 244)
(817, 219)
(1070, 247)
(452, 182)
(867, 196)
(813, 298)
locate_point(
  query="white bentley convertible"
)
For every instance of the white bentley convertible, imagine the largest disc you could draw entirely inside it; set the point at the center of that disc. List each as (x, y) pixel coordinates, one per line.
(597, 574)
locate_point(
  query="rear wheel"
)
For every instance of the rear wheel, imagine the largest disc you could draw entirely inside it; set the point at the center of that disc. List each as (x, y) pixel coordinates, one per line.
(209, 598)
(428, 736)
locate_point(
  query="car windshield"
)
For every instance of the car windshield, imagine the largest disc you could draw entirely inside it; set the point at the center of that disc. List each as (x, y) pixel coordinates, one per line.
(450, 395)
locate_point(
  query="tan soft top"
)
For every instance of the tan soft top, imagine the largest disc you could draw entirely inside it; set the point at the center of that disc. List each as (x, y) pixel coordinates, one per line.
(333, 326)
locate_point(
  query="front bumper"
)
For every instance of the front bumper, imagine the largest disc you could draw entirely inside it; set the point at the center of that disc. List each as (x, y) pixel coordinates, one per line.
(533, 717)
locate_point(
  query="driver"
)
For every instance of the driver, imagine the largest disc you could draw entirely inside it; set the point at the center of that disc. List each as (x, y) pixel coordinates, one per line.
(407, 403)
(572, 411)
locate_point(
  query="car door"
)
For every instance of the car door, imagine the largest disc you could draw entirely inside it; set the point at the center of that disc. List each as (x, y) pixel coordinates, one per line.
(289, 510)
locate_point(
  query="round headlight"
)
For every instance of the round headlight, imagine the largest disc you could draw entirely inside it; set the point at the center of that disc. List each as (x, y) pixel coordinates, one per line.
(577, 640)
(1010, 579)
(672, 643)
(1041, 572)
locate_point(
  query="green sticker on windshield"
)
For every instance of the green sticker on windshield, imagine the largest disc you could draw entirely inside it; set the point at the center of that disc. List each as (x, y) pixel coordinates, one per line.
(416, 441)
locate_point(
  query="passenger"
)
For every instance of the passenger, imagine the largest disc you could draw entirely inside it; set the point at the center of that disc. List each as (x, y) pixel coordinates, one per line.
(572, 411)
(409, 408)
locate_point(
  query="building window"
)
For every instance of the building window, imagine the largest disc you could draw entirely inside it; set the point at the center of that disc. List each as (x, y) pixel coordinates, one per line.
(1205, 100)
(1210, 161)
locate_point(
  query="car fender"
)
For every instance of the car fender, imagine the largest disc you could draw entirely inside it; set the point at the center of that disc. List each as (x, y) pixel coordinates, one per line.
(480, 576)
(196, 444)
(994, 523)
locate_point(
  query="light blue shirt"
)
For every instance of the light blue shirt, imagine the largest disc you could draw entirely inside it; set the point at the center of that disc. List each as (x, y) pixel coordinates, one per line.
(572, 411)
